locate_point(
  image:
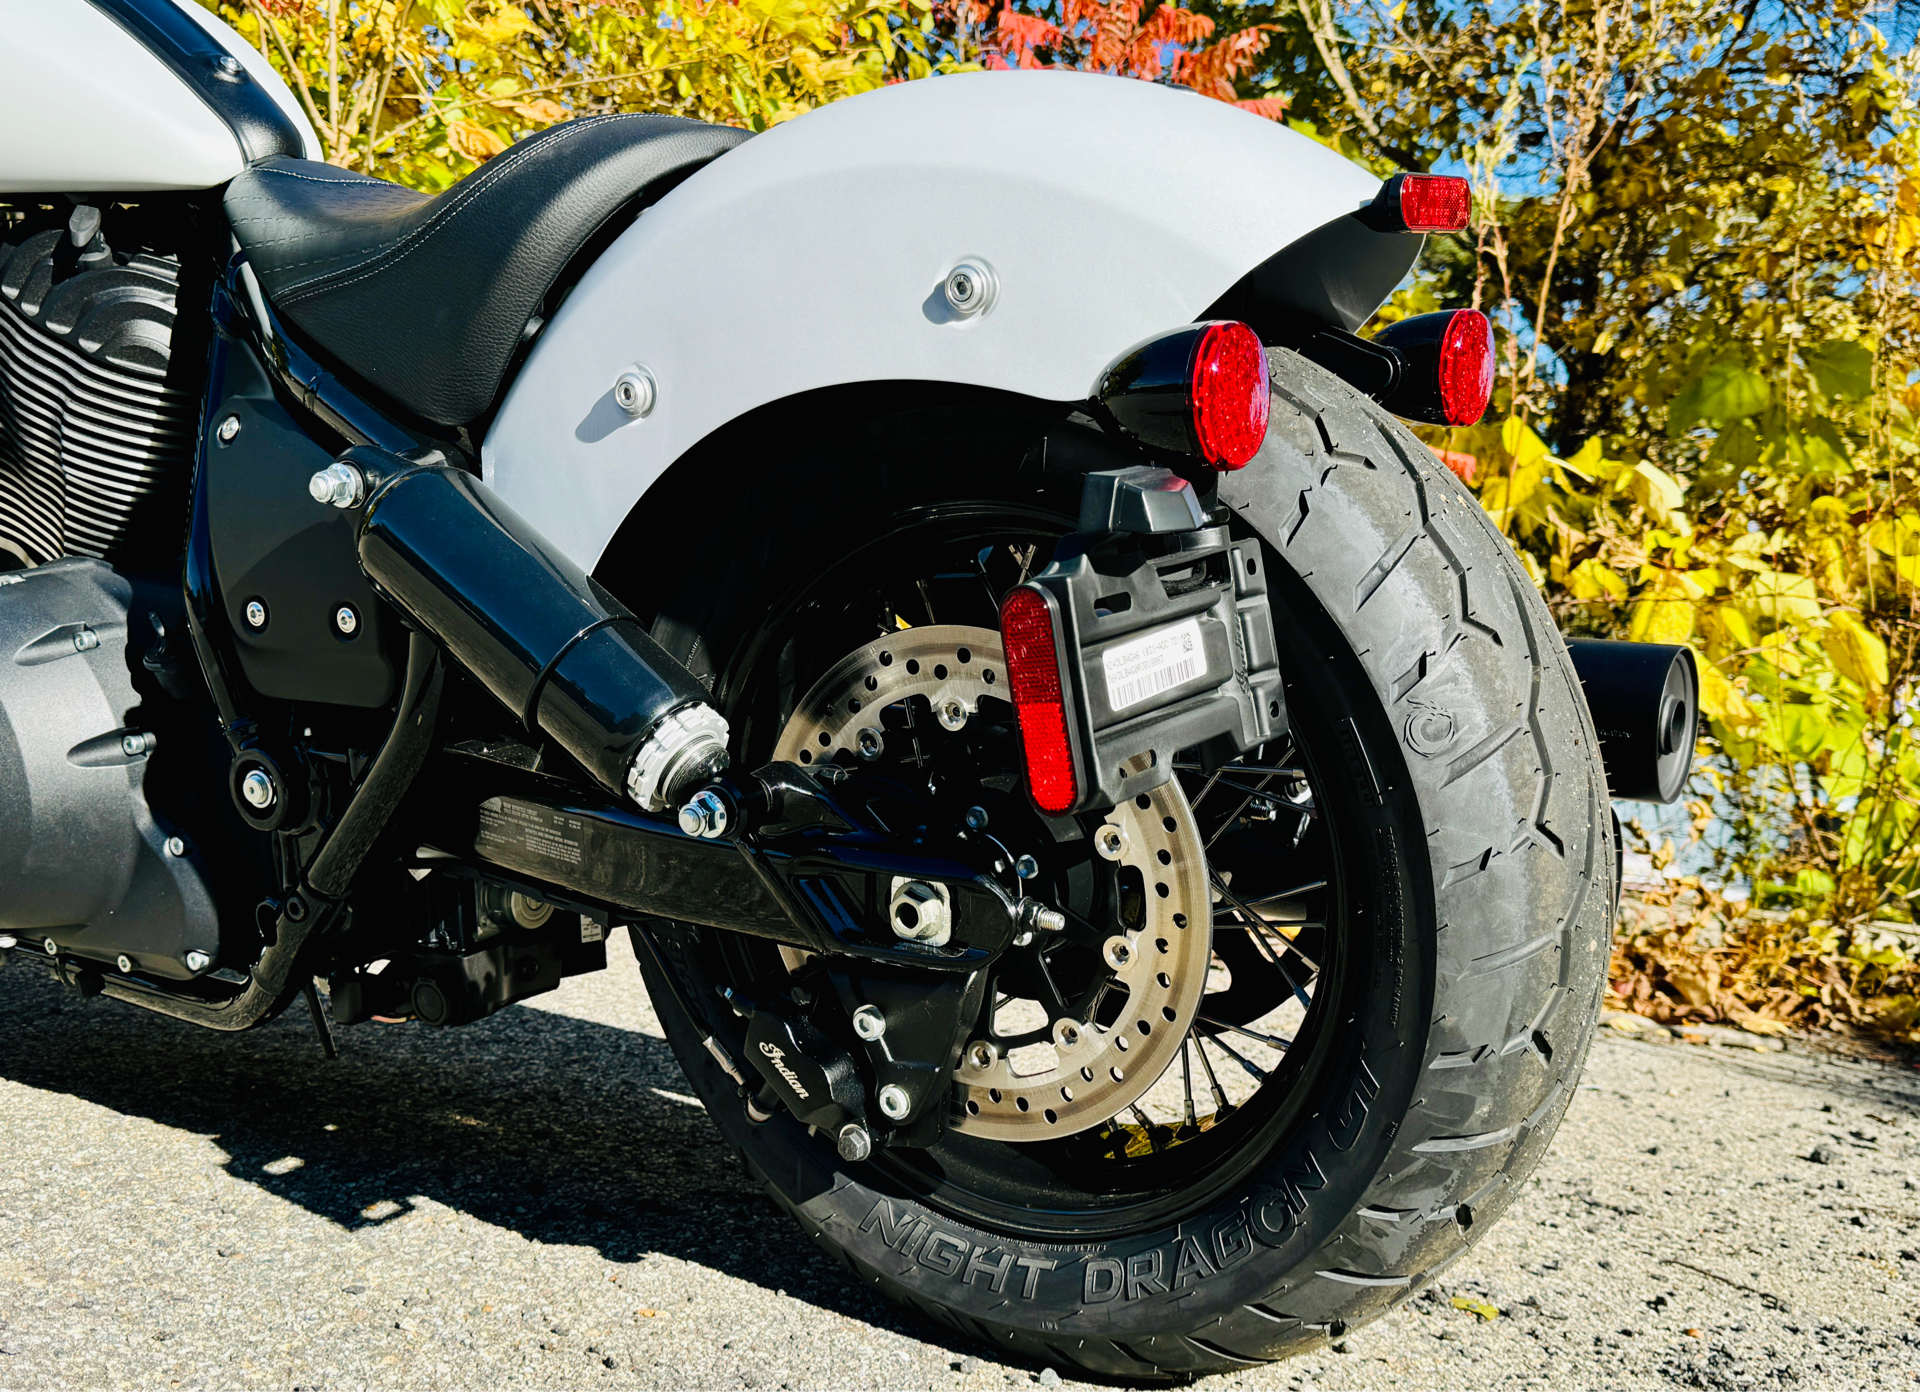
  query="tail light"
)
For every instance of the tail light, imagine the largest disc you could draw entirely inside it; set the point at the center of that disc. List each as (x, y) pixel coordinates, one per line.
(1033, 671)
(1200, 390)
(1420, 203)
(1446, 372)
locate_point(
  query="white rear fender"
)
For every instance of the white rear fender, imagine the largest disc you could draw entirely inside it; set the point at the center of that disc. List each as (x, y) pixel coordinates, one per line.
(814, 255)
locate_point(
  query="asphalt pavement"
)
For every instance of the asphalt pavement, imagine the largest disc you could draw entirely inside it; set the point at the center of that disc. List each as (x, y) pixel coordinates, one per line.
(537, 1201)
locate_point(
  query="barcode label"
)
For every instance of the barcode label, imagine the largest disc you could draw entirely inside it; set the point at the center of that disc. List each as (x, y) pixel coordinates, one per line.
(1142, 669)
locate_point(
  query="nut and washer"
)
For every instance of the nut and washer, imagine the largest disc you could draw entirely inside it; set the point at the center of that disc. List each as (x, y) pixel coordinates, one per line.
(176, 846)
(634, 391)
(255, 614)
(346, 621)
(340, 484)
(1026, 867)
(227, 429)
(51, 947)
(257, 789)
(124, 962)
(894, 1102)
(705, 815)
(869, 1023)
(921, 911)
(855, 1143)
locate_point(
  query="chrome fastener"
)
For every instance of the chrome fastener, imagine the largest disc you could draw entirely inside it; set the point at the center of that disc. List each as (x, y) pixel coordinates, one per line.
(855, 1143)
(869, 1023)
(85, 639)
(870, 742)
(921, 911)
(346, 621)
(176, 846)
(255, 614)
(977, 818)
(705, 815)
(971, 288)
(198, 961)
(339, 484)
(51, 947)
(227, 430)
(1110, 841)
(1031, 913)
(981, 1055)
(8, 942)
(138, 743)
(1118, 951)
(124, 962)
(1026, 867)
(894, 1102)
(257, 789)
(634, 391)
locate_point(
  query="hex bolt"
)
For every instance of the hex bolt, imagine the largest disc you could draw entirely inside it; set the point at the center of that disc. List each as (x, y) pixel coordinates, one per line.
(51, 947)
(977, 818)
(869, 1023)
(176, 846)
(198, 961)
(255, 614)
(1026, 867)
(339, 484)
(870, 742)
(124, 962)
(257, 789)
(229, 66)
(855, 1143)
(346, 621)
(85, 639)
(1110, 841)
(894, 1102)
(921, 912)
(634, 391)
(705, 815)
(139, 743)
(227, 429)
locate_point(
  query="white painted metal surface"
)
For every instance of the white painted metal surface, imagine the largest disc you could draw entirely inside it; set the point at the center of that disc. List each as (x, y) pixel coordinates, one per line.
(260, 70)
(84, 107)
(1107, 209)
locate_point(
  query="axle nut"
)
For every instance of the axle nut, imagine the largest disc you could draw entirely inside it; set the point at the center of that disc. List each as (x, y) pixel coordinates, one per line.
(257, 789)
(921, 912)
(705, 815)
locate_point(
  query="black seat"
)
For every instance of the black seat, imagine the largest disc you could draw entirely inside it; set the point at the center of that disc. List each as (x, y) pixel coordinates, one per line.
(426, 298)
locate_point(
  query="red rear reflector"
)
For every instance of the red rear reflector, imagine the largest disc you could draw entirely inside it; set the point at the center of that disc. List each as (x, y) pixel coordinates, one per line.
(1434, 202)
(1033, 671)
(1466, 367)
(1229, 395)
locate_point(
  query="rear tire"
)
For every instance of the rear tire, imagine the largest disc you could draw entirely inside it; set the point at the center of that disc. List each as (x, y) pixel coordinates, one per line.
(1438, 713)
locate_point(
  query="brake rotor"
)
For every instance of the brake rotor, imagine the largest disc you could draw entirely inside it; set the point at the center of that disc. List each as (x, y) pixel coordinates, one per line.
(1066, 1075)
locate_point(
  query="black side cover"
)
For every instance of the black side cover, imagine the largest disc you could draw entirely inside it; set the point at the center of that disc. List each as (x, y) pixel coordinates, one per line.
(1333, 277)
(427, 298)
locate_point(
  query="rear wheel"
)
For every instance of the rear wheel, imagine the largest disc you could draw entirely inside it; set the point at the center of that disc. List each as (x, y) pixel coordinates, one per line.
(1311, 1016)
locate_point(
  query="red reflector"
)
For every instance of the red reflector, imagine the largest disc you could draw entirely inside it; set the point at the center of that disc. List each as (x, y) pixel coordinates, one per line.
(1033, 670)
(1466, 367)
(1229, 395)
(1434, 202)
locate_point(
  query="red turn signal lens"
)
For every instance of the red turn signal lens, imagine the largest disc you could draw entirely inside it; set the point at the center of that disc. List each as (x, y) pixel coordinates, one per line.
(1033, 671)
(1466, 367)
(1434, 202)
(1229, 395)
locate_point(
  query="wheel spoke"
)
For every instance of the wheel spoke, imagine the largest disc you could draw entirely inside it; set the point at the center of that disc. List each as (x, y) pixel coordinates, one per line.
(1271, 1041)
(1186, 1080)
(1220, 1104)
(1276, 897)
(1259, 1074)
(1245, 768)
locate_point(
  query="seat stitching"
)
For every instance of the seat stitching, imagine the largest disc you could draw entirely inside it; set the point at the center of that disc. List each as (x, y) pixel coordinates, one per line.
(361, 182)
(396, 251)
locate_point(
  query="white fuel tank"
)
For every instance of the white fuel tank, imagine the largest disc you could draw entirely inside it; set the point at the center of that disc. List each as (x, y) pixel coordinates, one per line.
(86, 107)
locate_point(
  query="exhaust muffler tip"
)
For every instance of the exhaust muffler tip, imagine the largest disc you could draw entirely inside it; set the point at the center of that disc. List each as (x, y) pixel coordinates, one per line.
(684, 751)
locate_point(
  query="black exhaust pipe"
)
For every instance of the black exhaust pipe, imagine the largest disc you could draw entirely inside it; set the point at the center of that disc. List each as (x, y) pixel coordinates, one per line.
(554, 647)
(1645, 699)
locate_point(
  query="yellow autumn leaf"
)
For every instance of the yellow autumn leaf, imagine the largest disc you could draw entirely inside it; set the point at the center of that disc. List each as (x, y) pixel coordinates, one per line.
(1591, 580)
(1739, 627)
(1655, 489)
(1782, 597)
(1722, 700)
(1477, 1307)
(1664, 616)
(1778, 649)
(1856, 650)
(1522, 443)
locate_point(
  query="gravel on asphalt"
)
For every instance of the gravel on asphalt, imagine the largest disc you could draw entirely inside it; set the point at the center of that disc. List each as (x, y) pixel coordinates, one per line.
(536, 1201)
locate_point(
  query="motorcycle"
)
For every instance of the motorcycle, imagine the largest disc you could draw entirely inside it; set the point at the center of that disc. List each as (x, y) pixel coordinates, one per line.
(1111, 831)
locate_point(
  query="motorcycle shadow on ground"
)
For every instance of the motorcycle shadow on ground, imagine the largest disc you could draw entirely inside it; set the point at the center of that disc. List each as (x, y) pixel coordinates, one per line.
(559, 1129)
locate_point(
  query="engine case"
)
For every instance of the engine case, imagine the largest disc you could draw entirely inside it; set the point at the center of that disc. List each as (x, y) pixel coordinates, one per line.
(82, 862)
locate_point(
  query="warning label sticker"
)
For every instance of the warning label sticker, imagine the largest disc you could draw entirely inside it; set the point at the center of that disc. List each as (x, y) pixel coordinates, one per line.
(523, 830)
(1142, 668)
